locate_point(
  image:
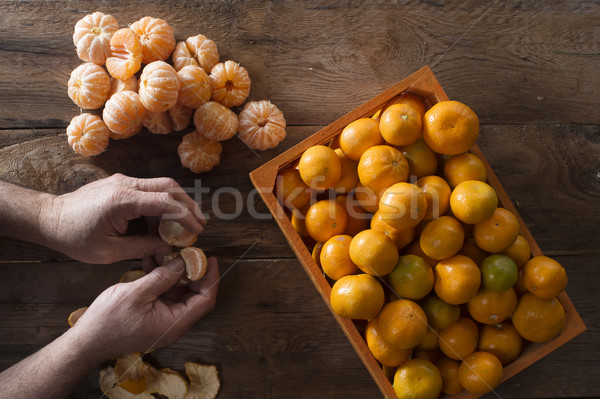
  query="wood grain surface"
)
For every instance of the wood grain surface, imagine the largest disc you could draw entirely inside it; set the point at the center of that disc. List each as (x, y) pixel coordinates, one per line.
(529, 70)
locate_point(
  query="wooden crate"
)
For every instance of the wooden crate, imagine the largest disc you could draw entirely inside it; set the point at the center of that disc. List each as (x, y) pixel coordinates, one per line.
(424, 84)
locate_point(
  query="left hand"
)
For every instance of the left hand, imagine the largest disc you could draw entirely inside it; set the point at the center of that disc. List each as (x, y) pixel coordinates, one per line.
(136, 317)
(90, 223)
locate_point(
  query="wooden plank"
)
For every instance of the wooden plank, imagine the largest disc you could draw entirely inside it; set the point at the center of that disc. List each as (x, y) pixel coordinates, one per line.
(549, 172)
(513, 63)
(270, 332)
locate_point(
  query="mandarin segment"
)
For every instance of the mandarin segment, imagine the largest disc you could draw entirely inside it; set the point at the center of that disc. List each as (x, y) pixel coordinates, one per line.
(195, 261)
(230, 83)
(124, 114)
(125, 54)
(92, 37)
(88, 135)
(159, 86)
(173, 233)
(89, 86)
(194, 89)
(261, 125)
(215, 121)
(198, 153)
(75, 315)
(196, 50)
(156, 37)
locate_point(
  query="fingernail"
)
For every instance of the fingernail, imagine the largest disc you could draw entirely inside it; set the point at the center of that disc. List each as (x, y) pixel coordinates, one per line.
(176, 265)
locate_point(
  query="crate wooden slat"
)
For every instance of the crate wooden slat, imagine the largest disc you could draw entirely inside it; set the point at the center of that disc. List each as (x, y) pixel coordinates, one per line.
(424, 84)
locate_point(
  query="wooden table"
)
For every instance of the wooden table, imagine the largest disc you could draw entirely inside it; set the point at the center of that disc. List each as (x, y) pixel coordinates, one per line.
(529, 71)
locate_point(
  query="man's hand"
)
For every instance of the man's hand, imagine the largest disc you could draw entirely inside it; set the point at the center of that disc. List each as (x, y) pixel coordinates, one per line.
(90, 223)
(136, 317)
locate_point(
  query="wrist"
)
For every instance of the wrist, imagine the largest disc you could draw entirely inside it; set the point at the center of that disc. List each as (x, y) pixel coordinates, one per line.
(84, 348)
(48, 218)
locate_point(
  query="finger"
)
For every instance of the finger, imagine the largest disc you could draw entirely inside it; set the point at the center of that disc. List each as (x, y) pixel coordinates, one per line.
(162, 204)
(188, 221)
(195, 305)
(159, 280)
(166, 184)
(161, 253)
(136, 247)
(148, 264)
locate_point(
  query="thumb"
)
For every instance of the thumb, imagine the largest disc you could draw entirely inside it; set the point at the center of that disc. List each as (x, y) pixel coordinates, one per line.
(138, 247)
(160, 280)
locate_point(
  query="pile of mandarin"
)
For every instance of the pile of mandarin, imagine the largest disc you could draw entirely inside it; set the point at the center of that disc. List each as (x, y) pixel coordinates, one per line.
(139, 88)
(410, 235)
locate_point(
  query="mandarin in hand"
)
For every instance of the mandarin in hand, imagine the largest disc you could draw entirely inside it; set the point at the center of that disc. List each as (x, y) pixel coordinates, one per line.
(450, 127)
(358, 297)
(320, 167)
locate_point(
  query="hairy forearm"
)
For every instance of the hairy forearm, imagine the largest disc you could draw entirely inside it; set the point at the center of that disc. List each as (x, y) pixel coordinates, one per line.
(52, 372)
(22, 212)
